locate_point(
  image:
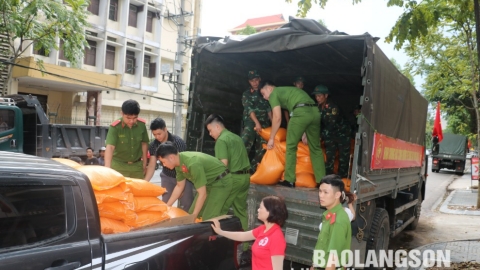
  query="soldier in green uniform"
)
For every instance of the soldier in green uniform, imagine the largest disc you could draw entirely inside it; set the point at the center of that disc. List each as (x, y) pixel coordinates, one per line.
(336, 132)
(304, 122)
(229, 149)
(256, 115)
(336, 233)
(127, 142)
(209, 176)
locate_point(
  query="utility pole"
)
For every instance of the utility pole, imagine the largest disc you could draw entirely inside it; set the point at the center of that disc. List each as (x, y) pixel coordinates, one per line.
(175, 77)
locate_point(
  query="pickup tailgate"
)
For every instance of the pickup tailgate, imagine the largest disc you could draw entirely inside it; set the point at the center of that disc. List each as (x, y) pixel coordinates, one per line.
(192, 246)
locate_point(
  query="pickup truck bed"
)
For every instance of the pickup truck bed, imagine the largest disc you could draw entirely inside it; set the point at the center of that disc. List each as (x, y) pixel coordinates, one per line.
(49, 220)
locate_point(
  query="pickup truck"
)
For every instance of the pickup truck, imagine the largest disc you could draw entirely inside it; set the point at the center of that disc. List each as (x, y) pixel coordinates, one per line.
(49, 220)
(388, 163)
(25, 128)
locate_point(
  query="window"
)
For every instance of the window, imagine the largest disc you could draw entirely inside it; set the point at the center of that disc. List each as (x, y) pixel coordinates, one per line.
(130, 62)
(149, 69)
(94, 6)
(41, 51)
(90, 53)
(31, 214)
(146, 66)
(61, 53)
(110, 58)
(149, 22)
(7, 120)
(132, 16)
(113, 10)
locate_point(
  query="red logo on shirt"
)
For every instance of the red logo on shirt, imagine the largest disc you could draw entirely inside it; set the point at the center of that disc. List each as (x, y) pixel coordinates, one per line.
(263, 242)
(331, 217)
(184, 169)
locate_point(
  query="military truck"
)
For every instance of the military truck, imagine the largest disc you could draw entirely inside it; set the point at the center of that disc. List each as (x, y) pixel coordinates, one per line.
(450, 153)
(25, 128)
(388, 165)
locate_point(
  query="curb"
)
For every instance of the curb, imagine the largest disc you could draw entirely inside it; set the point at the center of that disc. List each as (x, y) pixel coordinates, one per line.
(444, 208)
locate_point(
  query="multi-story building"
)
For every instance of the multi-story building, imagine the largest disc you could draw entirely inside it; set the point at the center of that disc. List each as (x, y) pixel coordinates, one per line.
(261, 24)
(130, 42)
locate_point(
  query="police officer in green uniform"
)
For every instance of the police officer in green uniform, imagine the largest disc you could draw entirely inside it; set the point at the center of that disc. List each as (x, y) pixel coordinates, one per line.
(256, 115)
(336, 233)
(209, 176)
(298, 82)
(229, 149)
(336, 132)
(127, 142)
(304, 122)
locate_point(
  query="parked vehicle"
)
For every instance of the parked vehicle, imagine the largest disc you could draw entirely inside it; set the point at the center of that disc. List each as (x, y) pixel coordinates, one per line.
(49, 220)
(389, 162)
(26, 129)
(451, 153)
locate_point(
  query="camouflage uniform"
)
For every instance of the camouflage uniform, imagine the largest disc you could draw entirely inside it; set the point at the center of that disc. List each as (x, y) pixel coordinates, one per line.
(335, 133)
(253, 101)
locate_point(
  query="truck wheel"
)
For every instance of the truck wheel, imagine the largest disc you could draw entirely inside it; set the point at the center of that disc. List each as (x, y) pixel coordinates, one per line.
(379, 237)
(416, 213)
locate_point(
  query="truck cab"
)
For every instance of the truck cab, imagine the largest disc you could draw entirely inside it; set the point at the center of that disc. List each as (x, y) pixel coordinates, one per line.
(11, 126)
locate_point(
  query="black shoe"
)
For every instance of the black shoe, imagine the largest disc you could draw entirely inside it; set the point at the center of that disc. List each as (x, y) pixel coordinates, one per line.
(317, 185)
(285, 183)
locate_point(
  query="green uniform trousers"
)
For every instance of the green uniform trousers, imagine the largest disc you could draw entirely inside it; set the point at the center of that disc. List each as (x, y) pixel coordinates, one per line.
(251, 138)
(304, 119)
(217, 194)
(134, 170)
(342, 144)
(238, 198)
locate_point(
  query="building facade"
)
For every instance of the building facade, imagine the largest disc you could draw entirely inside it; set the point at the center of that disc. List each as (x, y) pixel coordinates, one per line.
(131, 42)
(261, 24)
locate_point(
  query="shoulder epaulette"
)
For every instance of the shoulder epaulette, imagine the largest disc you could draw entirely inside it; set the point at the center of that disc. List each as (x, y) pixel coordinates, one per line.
(116, 122)
(142, 120)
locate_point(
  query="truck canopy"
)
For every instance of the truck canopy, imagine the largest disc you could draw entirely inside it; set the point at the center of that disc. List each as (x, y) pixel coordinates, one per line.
(352, 66)
(453, 144)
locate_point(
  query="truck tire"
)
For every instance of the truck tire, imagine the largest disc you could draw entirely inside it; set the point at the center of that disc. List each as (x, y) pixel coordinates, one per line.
(416, 212)
(379, 237)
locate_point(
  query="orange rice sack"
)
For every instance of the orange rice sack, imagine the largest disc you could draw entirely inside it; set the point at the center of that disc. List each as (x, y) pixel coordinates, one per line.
(145, 218)
(101, 177)
(304, 165)
(174, 212)
(114, 194)
(68, 162)
(118, 210)
(142, 188)
(109, 226)
(150, 204)
(305, 180)
(270, 169)
(281, 135)
(303, 150)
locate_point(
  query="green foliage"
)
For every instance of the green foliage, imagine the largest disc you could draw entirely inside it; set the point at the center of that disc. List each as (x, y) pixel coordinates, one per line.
(248, 30)
(40, 23)
(322, 22)
(447, 58)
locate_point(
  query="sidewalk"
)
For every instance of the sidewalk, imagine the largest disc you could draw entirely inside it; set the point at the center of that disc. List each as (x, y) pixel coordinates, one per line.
(462, 200)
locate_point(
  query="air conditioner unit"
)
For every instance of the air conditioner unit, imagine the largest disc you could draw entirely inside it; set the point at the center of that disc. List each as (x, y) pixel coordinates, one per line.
(63, 63)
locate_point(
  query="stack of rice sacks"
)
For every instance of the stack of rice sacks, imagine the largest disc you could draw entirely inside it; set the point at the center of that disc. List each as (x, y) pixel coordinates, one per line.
(125, 203)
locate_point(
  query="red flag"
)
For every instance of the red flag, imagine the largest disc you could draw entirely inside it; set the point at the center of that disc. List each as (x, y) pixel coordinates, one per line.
(437, 125)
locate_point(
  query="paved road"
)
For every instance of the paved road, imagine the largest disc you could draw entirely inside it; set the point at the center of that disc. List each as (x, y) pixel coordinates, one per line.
(435, 226)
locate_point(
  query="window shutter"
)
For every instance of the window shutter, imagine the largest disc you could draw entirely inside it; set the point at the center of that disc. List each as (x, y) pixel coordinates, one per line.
(152, 70)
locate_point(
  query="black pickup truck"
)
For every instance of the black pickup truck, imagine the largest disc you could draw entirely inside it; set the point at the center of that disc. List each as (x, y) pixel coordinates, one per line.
(49, 220)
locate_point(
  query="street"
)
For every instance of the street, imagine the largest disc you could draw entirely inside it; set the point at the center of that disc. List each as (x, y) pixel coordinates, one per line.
(435, 226)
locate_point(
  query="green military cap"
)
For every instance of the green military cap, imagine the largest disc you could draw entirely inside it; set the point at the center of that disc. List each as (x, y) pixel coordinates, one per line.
(252, 74)
(320, 89)
(299, 79)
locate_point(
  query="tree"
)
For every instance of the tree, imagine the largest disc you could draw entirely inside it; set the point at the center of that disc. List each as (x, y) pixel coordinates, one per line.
(248, 30)
(41, 23)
